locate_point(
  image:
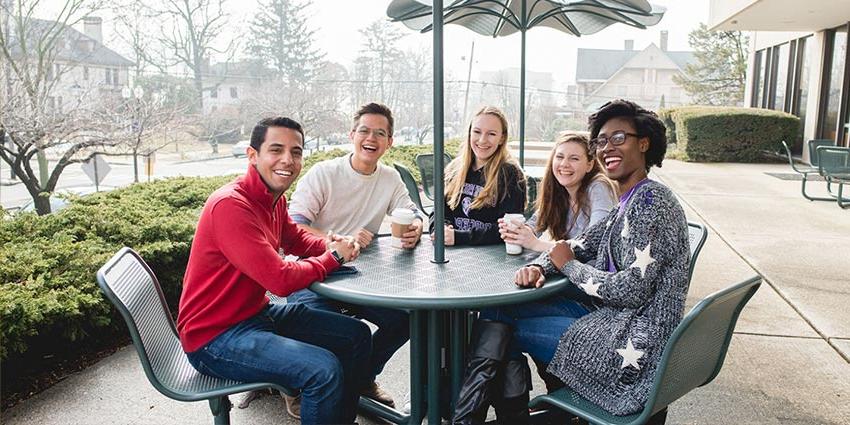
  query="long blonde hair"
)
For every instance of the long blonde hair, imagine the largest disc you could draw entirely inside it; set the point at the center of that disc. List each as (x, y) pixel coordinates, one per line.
(553, 201)
(458, 169)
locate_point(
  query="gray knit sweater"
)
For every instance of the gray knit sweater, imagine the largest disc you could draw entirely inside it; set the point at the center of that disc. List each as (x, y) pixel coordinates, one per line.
(610, 355)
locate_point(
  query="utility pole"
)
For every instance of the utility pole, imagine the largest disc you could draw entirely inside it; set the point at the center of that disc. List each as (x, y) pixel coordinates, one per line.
(468, 77)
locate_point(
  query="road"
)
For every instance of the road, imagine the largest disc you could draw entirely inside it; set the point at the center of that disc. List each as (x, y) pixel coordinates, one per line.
(122, 175)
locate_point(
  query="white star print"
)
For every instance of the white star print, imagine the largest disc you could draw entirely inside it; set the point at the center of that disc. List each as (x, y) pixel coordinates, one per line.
(591, 289)
(625, 232)
(576, 243)
(642, 259)
(630, 355)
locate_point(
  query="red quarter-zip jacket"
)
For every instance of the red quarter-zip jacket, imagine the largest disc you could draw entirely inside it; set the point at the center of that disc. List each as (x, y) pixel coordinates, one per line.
(234, 260)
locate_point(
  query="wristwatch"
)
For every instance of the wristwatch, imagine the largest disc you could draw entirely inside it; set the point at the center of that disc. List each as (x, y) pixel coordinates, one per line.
(339, 258)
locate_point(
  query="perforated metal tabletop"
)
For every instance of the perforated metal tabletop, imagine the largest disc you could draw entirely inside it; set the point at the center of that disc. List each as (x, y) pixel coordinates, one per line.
(474, 277)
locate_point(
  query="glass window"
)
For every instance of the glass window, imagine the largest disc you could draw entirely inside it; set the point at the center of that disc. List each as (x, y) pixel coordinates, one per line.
(781, 81)
(214, 92)
(233, 93)
(804, 56)
(758, 81)
(834, 78)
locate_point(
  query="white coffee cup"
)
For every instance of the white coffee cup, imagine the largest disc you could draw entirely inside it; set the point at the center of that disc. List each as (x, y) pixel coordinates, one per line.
(402, 218)
(513, 221)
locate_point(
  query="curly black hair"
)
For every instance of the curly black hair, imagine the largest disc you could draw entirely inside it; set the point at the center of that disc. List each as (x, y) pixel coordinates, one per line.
(646, 123)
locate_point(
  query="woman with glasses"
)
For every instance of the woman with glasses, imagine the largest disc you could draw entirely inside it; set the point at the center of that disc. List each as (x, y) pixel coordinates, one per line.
(574, 194)
(633, 266)
(483, 183)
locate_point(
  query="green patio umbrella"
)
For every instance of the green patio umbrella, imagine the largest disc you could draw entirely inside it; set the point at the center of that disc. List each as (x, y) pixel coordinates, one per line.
(500, 18)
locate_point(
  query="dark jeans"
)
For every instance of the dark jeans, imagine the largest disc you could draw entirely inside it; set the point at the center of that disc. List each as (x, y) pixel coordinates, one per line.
(537, 326)
(324, 354)
(393, 325)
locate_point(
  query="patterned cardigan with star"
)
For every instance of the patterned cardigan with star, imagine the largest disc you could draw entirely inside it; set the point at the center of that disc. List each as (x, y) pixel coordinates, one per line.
(610, 355)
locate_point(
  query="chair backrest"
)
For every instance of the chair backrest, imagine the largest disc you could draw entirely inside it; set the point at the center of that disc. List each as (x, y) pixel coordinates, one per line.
(790, 158)
(695, 352)
(697, 234)
(425, 162)
(813, 146)
(410, 184)
(532, 185)
(134, 290)
(833, 160)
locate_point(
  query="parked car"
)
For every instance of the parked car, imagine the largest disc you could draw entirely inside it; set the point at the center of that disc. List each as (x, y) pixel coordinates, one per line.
(59, 198)
(241, 148)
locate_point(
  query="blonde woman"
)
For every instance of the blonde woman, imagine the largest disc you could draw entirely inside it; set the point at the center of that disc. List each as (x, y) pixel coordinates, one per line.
(574, 195)
(482, 183)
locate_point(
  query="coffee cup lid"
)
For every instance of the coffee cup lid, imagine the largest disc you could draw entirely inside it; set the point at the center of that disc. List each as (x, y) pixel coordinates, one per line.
(403, 213)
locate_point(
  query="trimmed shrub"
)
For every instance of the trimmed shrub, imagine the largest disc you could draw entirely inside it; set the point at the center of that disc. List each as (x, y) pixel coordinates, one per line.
(727, 134)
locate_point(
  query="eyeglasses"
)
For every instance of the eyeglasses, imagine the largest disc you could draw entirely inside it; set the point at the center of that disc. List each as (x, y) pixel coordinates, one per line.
(379, 133)
(616, 138)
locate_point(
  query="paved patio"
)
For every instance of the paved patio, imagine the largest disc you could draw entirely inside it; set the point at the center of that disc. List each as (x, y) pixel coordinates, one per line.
(789, 362)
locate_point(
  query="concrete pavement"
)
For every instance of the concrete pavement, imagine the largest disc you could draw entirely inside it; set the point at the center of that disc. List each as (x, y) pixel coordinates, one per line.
(788, 362)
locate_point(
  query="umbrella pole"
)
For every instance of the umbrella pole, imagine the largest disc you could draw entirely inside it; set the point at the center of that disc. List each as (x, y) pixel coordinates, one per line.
(523, 27)
(439, 189)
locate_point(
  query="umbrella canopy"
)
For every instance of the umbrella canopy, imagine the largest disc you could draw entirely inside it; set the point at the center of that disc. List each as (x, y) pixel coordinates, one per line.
(498, 18)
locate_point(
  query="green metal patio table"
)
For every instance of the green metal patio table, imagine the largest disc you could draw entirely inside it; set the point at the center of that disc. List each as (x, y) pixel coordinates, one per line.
(473, 278)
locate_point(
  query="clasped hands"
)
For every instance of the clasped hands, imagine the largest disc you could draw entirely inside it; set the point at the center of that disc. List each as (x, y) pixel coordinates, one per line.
(531, 276)
(346, 246)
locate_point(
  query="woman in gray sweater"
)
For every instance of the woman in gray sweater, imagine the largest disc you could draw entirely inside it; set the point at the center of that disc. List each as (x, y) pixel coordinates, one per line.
(633, 266)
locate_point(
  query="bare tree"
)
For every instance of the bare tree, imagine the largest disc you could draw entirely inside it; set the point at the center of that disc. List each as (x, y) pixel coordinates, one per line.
(34, 118)
(195, 29)
(381, 46)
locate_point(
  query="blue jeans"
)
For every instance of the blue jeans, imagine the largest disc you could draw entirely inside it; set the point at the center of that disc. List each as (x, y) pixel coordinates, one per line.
(538, 325)
(393, 325)
(324, 354)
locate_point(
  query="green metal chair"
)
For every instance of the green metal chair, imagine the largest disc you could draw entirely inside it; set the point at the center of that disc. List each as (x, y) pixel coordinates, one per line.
(532, 186)
(692, 358)
(697, 234)
(425, 163)
(804, 171)
(412, 188)
(813, 146)
(834, 166)
(134, 290)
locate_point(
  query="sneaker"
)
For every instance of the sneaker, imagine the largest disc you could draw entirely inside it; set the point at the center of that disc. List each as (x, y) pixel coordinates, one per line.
(374, 391)
(293, 405)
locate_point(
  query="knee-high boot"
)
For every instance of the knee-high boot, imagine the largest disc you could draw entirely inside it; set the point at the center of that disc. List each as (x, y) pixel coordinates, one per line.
(513, 408)
(489, 346)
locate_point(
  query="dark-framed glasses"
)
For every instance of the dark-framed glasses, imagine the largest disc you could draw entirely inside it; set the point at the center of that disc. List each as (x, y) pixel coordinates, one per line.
(616, 138)
(379, 133)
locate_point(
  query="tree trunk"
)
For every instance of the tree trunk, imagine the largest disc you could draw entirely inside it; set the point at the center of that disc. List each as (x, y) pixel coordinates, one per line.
(135, 166)
(42, 204)
(42, 168)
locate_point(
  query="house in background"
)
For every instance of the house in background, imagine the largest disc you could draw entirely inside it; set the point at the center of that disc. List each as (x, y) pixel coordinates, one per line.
(84, 69)
(228, 84)
(798, 61)
(645, 76)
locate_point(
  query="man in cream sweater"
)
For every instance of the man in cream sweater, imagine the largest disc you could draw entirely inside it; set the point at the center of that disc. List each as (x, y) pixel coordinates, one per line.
(351, 195)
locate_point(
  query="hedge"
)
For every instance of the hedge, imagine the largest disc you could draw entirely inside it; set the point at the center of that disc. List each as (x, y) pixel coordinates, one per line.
(48, 292)
(729, 134)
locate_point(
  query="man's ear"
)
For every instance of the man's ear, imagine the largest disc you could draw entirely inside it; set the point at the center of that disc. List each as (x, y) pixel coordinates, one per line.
(252, 156)
(389, 142)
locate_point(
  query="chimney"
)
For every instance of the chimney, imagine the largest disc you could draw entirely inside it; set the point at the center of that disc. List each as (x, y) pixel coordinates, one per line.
(92, 28)
(630, 45)
(663, 40)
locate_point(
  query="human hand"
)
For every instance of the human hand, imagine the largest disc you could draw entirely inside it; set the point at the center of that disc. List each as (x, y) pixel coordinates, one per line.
(410, 238)
(530, 277)
(449, 239)
(520, 235)
(363, 237)
(348, 248)
(561, 254)
(331, 238)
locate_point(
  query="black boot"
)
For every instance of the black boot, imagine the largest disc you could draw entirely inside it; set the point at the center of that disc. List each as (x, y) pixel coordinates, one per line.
(552, 382)
(489, 345)
(513, 408)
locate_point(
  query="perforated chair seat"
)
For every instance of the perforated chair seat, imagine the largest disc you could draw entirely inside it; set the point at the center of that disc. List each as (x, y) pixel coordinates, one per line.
(134, 290)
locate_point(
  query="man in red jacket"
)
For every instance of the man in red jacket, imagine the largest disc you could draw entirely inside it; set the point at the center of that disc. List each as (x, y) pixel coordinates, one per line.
(227, 326)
